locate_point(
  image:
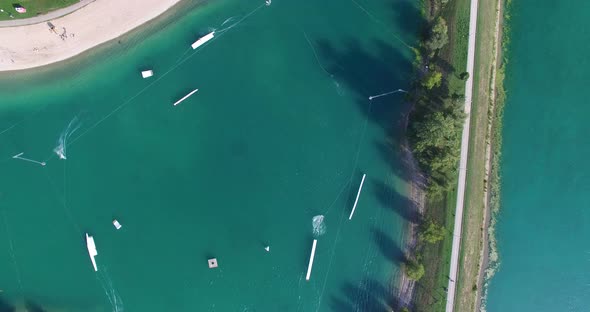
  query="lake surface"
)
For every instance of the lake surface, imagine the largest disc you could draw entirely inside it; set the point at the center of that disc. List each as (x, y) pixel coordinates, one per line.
(544, 224)
(280, 131)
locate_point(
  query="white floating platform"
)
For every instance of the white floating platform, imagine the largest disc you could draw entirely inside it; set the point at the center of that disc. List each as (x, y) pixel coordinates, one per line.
(315, 242)
(203, 40)
(91, 250)
(212, 263)
(185, 97)
(358, 194)
(117, 225)
(147, 73)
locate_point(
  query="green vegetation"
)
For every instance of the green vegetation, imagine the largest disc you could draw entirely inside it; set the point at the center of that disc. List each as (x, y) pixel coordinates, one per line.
(432, 80)
(438, 36)
(483, 133)
(437, 120)
(34, 7)
(431, 232)
(496, 141)
(434, 132)
(413, 269)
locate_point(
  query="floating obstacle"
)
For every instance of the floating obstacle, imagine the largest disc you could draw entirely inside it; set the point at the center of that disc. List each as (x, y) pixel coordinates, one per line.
(185, 97)
(147, 73)
(212, 263)
(358, 194)
(19, 156)
(267, 248)
(117, 225)
(91, 250)
(315, 242)
(387, 93)
(203, 40)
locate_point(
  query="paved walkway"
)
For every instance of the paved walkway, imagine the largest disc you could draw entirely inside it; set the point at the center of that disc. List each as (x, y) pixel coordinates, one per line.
(463, 161)
(45, 17)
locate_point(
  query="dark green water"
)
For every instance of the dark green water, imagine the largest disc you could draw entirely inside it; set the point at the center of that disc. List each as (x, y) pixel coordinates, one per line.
(544, 225)
(280, 131)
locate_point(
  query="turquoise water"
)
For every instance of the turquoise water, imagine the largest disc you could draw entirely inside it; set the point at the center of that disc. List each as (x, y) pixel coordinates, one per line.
(544, 224)
(280, 131)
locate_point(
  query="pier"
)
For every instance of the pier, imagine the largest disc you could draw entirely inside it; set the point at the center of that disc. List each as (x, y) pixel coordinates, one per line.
(310, 265)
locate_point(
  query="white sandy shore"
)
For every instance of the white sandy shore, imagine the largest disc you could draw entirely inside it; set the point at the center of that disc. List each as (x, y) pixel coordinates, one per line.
(29, 46)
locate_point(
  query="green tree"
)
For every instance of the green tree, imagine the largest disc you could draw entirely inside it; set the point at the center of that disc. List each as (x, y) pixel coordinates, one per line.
(431, 232)
(438, 36)
(464, 76)
(413, 269)
(438, 139)
(432, 79)
(404, 309)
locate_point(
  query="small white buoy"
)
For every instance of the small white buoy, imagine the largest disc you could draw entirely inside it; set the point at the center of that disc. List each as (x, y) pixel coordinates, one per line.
(212, 263)
(117, 224)
(267, 248)
(147, 73)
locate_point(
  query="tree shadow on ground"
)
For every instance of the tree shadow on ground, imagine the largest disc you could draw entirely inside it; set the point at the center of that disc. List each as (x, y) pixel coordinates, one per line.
(402, 205)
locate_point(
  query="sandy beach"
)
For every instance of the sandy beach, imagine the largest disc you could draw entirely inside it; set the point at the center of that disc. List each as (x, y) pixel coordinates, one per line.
(30, 46)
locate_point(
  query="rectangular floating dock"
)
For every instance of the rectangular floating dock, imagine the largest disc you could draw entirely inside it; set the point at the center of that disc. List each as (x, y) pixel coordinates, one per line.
(212, 263)
(203, 40)
(91, 250)
(315, 242)
(185, 97)
(147, 73)
(358, 194)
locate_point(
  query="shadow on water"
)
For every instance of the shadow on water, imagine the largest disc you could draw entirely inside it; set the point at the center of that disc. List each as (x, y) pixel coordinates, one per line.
(369, 69)
(389, 248)
(368, 295)
(407, 17)
(33, 307)
(5, 306)
(367, 73)
(402, 205)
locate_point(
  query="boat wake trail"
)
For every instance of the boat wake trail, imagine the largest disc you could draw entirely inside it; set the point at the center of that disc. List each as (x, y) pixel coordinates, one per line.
(60, 149)
(11, 251)
(240, 21)
(319, 227)
(229, 20)
(110, 292)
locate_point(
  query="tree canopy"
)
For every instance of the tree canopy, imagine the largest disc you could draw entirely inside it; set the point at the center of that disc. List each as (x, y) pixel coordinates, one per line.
(433, 79)
(438, 36)
(438, 142)
(431, 232)
(413, 269)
